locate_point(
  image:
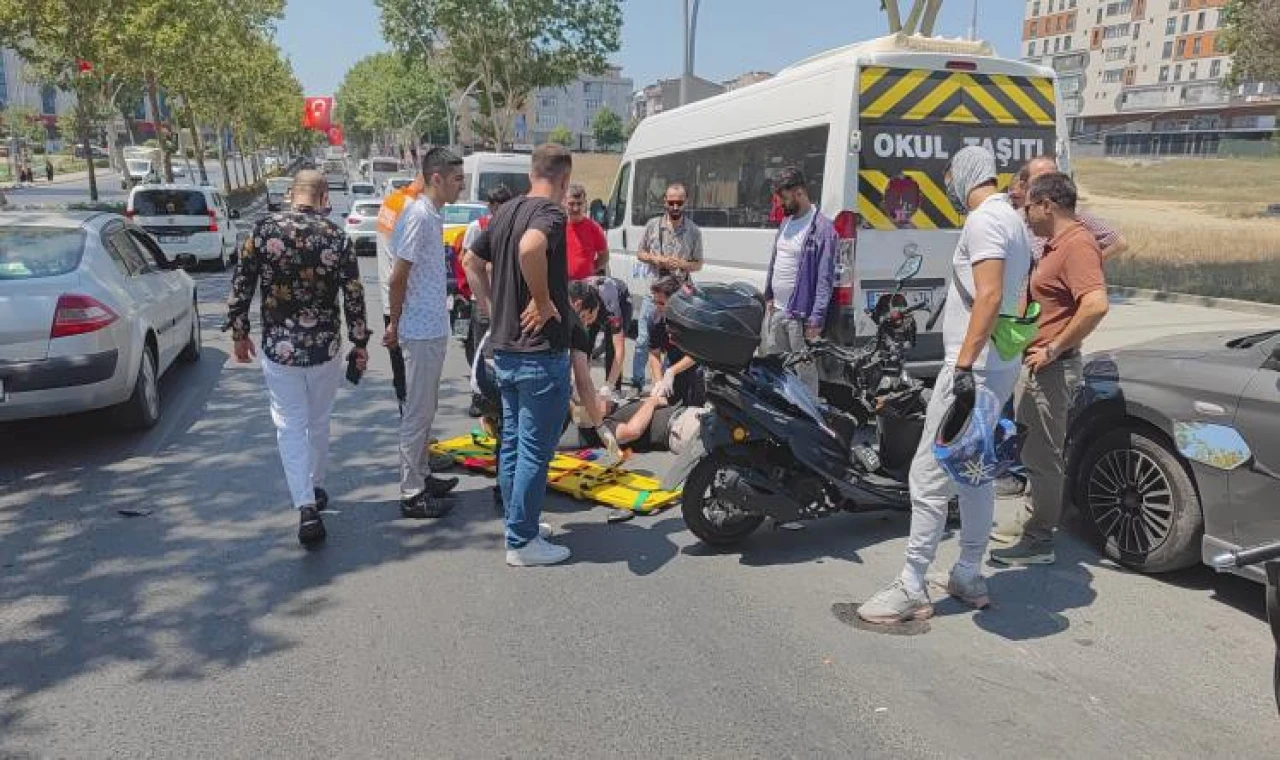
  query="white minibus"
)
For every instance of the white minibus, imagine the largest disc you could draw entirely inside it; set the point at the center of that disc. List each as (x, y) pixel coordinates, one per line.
(485, 171)
(873, 127)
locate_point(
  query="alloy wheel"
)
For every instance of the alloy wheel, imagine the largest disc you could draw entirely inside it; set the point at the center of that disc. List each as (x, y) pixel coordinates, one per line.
(1131, 500)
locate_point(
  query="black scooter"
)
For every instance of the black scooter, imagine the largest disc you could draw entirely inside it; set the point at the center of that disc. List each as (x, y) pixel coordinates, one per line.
(770, 448)
(1268, 555)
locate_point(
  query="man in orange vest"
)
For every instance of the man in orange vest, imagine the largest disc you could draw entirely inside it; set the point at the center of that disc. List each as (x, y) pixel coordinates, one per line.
(392, 206)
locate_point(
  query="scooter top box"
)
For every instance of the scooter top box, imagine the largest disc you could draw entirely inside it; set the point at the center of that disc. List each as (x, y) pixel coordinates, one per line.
(717, 324)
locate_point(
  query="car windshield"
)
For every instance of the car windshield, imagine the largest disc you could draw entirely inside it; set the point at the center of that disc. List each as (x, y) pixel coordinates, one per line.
(457, 214)
(517, 183)
(398, 183)
(1249, 341)
(279, 185)
(360, 188)
(385, 166)
(366, 209)
(170, 203)
(27, 253)
(138, 166)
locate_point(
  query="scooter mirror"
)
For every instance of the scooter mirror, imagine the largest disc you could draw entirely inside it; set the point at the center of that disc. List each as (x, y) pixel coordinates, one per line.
(909, 268)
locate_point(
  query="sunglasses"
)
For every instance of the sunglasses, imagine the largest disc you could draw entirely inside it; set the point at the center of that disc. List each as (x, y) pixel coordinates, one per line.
(675, 204)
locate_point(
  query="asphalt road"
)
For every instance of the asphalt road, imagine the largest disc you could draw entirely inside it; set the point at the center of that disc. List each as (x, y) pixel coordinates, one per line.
(202, 629)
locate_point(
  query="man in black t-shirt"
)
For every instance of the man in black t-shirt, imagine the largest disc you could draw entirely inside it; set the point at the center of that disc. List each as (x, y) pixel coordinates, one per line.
(528, 294)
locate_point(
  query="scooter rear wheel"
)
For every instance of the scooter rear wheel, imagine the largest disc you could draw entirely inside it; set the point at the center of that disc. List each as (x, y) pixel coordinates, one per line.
(712, 521)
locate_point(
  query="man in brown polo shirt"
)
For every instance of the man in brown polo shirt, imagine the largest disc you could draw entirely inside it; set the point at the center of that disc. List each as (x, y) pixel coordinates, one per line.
(1069, 285)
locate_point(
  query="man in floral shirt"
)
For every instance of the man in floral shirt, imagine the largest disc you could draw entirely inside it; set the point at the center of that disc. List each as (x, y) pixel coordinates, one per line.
(302, 260)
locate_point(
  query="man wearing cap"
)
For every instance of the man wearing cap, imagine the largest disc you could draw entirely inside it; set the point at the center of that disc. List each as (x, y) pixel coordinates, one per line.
(797, 289)
(989, 271)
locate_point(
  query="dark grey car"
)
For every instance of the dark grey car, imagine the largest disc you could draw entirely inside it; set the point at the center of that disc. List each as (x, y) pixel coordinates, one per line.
(1174, 448)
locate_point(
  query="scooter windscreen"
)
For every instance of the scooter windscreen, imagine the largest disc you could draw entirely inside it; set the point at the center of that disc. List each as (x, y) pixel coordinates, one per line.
(798, 394)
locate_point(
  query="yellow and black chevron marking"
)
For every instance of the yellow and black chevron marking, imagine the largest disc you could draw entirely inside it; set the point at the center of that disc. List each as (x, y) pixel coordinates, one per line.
(955, 97)
(935, 212)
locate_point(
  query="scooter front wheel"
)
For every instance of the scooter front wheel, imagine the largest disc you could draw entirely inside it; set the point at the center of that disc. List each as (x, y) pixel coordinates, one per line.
(713, 521)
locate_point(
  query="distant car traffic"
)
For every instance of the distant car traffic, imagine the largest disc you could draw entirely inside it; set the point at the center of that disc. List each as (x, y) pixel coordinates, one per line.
(92, 313)
(191, 224)
(456, 218)
(335, 173)
(278, 189)
(395, 183)
(1174, 448)
(363, 190)
(362, 226)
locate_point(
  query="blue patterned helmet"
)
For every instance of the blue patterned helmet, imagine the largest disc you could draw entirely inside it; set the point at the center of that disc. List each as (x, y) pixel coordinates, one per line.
(976, 446)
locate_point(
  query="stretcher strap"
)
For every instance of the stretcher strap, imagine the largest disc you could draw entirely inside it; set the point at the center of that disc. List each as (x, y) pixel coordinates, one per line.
(641, 498)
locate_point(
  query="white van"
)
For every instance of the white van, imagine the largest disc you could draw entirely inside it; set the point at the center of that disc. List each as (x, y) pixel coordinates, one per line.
(382, 168)
(873, 127)
(485, 171)
(191, 224)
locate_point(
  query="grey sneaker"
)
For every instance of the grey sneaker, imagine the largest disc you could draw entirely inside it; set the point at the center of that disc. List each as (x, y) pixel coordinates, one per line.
(1028, 551)
(972, 590)
(895, 604)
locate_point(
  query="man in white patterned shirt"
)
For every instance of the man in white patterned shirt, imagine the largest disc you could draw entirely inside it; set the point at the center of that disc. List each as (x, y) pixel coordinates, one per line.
(420, 326)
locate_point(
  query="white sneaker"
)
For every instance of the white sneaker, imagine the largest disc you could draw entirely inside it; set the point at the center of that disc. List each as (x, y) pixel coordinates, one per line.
(537, 552)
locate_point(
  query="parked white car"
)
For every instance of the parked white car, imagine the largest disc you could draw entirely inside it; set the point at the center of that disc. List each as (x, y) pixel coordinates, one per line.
(92, 313)
(191, 224)
(362, 226)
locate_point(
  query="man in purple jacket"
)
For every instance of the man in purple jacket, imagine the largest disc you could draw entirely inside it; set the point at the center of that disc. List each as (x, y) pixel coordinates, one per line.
(797, 290)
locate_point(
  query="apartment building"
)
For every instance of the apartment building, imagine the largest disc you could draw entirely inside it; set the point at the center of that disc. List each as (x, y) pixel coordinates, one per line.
(665, 93)
(575, 106)
(1147, 76)
(19, 87)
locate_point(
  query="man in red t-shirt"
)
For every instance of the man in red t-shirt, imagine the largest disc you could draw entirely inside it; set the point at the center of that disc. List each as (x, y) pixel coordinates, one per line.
(587, 247)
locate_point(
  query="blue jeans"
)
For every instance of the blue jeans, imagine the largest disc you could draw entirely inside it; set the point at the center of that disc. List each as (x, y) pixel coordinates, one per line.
(535, 401)
(640, 361)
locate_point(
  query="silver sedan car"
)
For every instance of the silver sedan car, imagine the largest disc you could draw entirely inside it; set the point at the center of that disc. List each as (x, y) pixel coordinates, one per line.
(91, 315)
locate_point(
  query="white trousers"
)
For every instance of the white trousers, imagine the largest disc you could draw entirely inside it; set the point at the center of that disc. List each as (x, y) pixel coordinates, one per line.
(932, 488)
(301, 403)
(423, 363)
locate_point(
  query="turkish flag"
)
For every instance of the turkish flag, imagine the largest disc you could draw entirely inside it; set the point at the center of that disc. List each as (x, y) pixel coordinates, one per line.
(335, 135)
(316, 114)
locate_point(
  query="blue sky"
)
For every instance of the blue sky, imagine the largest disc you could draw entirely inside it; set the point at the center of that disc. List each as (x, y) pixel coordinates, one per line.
(324, 37)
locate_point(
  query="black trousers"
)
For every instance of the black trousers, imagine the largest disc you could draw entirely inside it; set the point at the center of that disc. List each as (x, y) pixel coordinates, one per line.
(397, 365)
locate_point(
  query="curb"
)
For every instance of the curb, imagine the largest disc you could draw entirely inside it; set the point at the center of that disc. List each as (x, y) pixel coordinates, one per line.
(1208, 302)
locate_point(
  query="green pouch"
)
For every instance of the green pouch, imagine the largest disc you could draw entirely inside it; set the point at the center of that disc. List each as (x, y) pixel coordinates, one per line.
(1012, 335)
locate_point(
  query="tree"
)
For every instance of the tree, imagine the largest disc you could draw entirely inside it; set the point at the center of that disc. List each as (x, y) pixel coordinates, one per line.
(1251, 34)
(503, 50)
(561, 135)
(390, 95)
(607, 129)
(631, 127)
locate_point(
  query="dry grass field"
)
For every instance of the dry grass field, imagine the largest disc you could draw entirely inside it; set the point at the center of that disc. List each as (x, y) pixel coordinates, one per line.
(1194, 225)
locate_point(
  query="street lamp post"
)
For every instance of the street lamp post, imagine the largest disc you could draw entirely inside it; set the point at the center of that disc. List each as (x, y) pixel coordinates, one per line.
(690, 42)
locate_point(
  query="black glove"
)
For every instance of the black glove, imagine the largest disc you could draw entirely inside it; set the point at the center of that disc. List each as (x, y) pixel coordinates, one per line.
(963, 386)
